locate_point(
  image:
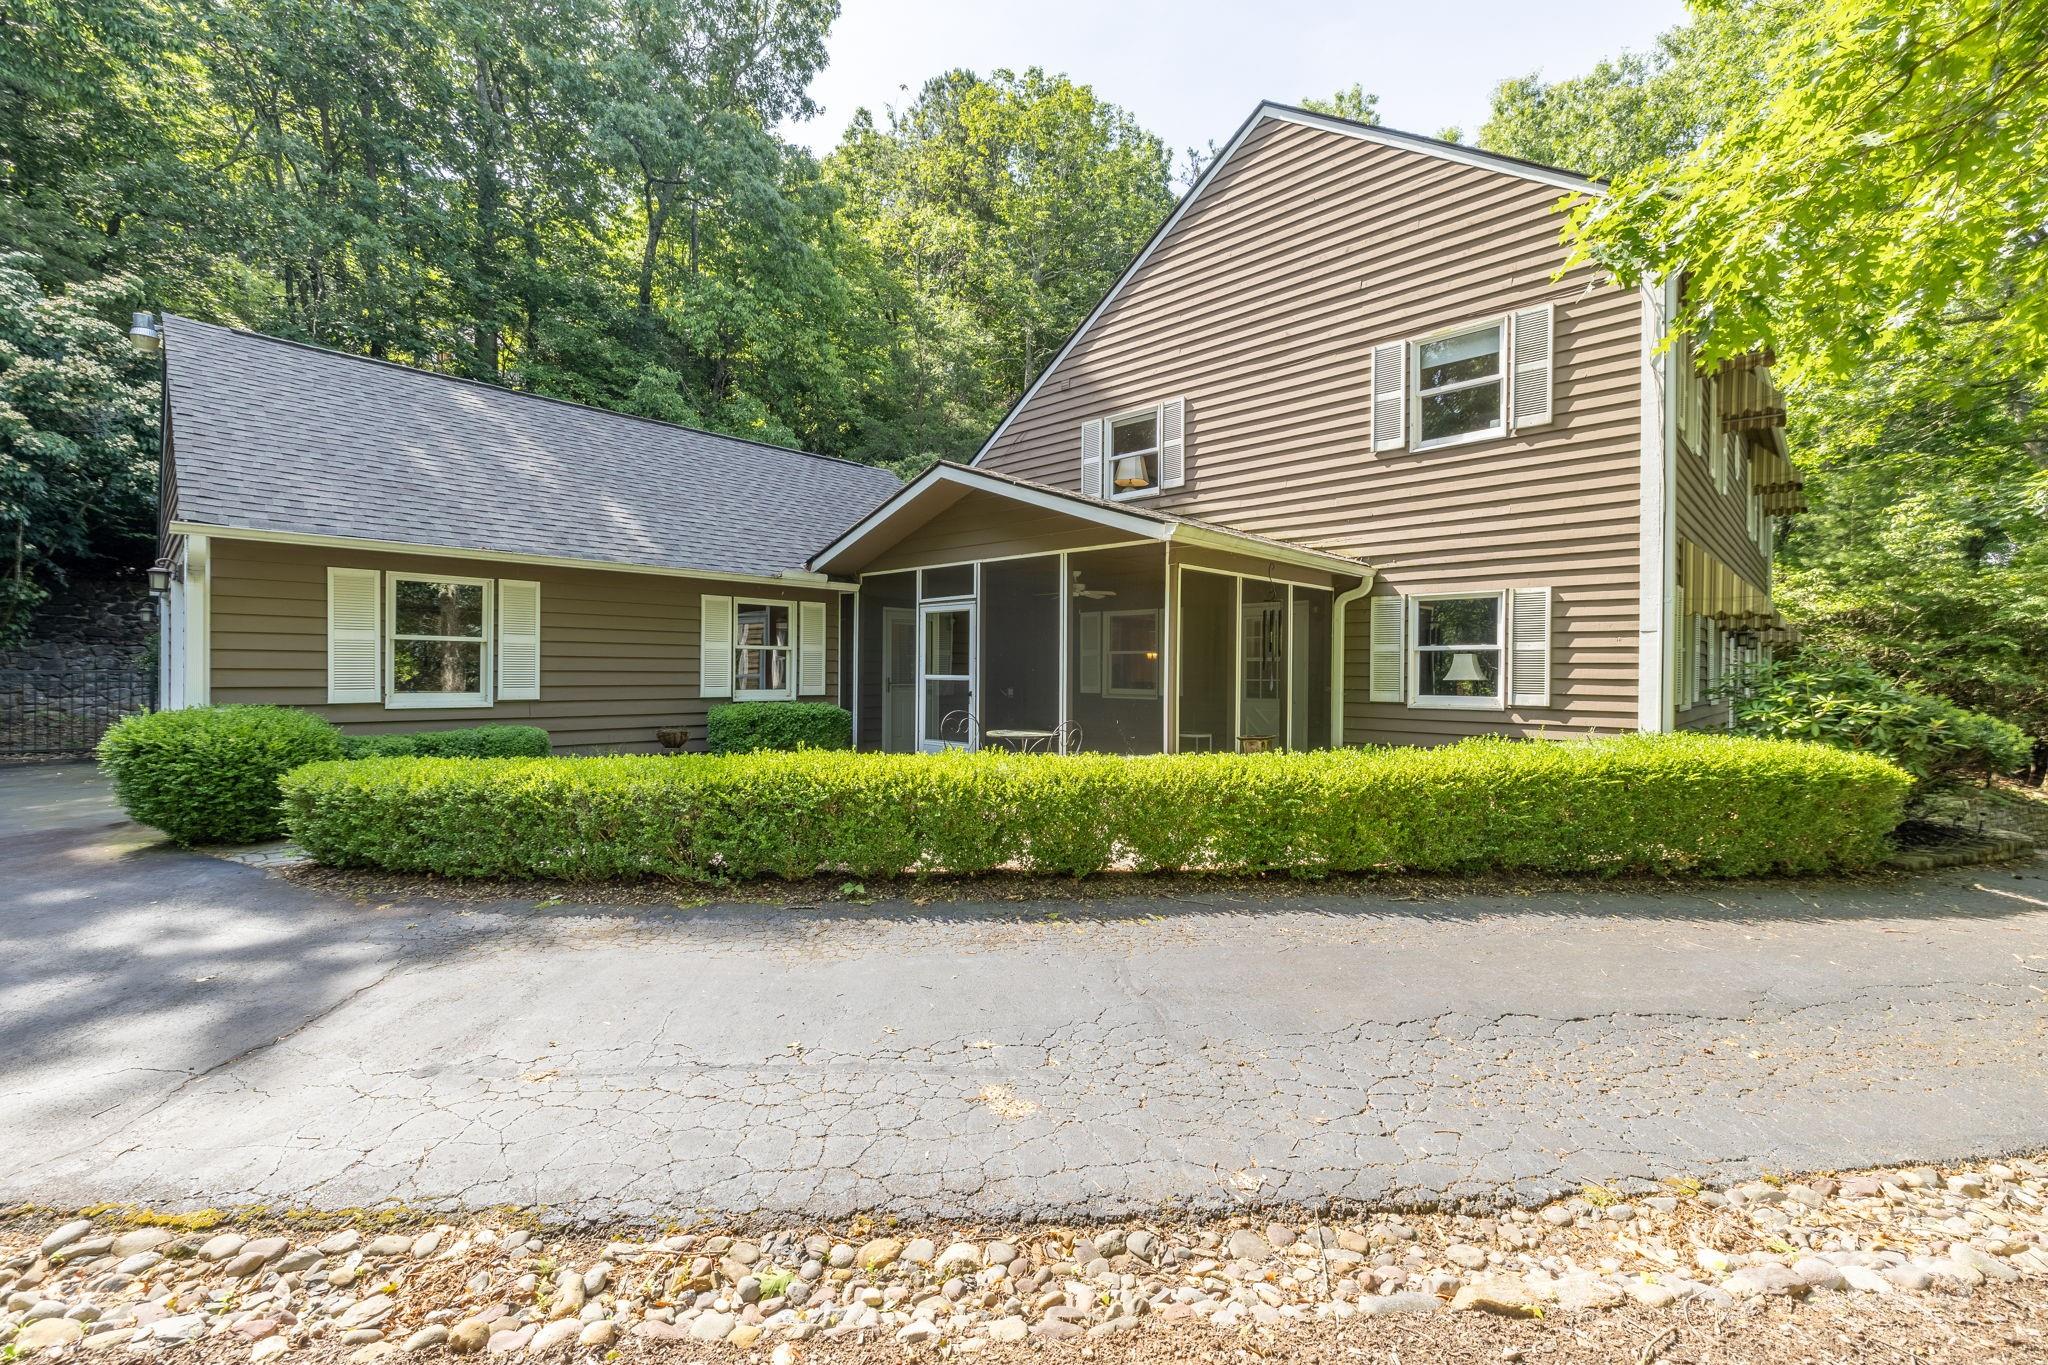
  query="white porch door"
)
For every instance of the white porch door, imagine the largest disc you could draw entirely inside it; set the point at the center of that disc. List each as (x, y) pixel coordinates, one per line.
(945, 665)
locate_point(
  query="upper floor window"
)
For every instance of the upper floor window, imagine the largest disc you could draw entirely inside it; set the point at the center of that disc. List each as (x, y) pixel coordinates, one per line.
(1459, 386)
(1134, 453)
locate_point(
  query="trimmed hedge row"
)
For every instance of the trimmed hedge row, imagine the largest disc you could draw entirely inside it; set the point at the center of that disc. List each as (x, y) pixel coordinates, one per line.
(208, 774)
(473, 741)
(749, 726)
(1707, 804)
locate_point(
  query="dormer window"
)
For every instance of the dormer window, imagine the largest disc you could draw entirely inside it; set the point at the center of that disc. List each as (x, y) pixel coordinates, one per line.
(1134, 453)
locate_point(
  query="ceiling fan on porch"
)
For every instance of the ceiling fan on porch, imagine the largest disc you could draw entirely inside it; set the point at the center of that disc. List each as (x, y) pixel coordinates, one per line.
(1082, 590)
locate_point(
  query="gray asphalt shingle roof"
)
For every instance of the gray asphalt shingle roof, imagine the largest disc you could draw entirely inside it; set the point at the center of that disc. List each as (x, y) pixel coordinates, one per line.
(275, 435)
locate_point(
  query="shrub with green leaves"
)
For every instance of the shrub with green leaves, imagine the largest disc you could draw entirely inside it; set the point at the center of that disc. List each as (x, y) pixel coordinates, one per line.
(471, 741)
(1713, 805)
(746, 727)
(1853, 706)
(208, 774)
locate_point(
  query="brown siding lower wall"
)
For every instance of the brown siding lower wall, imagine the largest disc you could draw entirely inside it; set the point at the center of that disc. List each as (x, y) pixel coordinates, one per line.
(619, 651)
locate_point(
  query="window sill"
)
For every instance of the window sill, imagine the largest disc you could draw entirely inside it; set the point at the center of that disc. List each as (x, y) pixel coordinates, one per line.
(425, 701)
(1469, 438)
(1149, 491)
(761, 696)
(1455, 704)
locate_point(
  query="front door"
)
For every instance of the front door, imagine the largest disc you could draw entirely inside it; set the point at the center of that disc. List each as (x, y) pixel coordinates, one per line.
(899, 679)
(945, 665)
(1261, 675)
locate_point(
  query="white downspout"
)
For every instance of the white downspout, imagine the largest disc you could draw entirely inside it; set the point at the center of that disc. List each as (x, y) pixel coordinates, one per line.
(1337, 615)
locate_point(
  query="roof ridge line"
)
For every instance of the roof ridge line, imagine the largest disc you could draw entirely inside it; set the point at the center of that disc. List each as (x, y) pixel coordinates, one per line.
(489, 387)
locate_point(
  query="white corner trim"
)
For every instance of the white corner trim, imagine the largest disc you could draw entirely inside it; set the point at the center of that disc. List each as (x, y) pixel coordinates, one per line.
(1280, 113)
(786, 579)
(1656, 524)
(198, 635)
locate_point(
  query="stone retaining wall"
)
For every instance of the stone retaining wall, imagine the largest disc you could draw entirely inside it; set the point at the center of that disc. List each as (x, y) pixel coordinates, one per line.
(89, 661)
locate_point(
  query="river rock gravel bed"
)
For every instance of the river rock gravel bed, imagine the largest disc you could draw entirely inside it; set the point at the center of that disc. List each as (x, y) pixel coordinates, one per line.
(1900, 1264)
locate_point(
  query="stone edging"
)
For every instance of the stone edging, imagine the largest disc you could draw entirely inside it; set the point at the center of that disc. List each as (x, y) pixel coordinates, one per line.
(1962, 855)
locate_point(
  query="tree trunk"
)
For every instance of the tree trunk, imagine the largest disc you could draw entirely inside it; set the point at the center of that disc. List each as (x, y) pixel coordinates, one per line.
(657, 223)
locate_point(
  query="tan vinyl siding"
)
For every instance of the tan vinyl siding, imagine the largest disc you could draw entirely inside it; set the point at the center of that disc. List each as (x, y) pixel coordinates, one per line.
(1719, 523)
(618, 651)
(979, 525)
(1261, 308)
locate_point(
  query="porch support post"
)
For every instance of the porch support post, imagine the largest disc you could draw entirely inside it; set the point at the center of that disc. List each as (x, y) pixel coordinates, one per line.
(1066, 661)
(1167, 635)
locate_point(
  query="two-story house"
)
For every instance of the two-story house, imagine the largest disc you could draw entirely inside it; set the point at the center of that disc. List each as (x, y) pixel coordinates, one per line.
(1346, 455)
(1471, 490)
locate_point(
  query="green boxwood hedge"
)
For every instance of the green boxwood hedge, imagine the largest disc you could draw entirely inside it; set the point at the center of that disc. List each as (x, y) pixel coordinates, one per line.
(471, 741)
(750, 726)
(1706, 804)
(208, 774)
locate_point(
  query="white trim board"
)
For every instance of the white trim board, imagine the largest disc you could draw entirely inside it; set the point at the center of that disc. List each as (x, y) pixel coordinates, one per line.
(1284, 113)
(790, 578)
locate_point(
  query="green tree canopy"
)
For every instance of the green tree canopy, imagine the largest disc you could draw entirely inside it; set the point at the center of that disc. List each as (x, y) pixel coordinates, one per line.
(1003, 208)
(1885, 180)
(78, 420)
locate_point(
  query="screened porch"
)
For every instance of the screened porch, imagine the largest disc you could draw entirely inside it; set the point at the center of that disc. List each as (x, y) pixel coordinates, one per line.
(1133, 649)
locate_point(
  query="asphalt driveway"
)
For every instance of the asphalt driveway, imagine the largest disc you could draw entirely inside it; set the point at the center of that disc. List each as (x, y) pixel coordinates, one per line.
(179, 1030)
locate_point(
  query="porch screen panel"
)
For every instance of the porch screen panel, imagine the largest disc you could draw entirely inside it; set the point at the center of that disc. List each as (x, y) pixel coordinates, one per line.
(1116, 608)
(1206, 644)
(1310, 660)
(1020, 650)
(885, 694)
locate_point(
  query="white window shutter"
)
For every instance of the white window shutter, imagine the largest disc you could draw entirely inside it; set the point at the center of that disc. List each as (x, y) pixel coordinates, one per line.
(1535, 346)
(1091, 458)
(1091, 653)
(1386, 669)
(1173, 459)
(810, 649)
(354, 644)
(1529, 659)
(714, 648)
(1390, 396)
(518, 640)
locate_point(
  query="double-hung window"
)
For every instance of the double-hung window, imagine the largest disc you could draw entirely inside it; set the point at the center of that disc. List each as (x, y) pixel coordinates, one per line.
(1130, 648)
(761, 648)
(1134, 453)
(1456, 659)
(440, 652)
(1459, 390)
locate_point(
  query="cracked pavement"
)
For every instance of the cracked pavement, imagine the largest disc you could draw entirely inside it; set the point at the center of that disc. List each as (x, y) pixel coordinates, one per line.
(180, 1031)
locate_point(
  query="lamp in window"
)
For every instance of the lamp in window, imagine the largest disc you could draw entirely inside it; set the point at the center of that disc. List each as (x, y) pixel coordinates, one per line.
(1131, 472)
(1464, 668)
